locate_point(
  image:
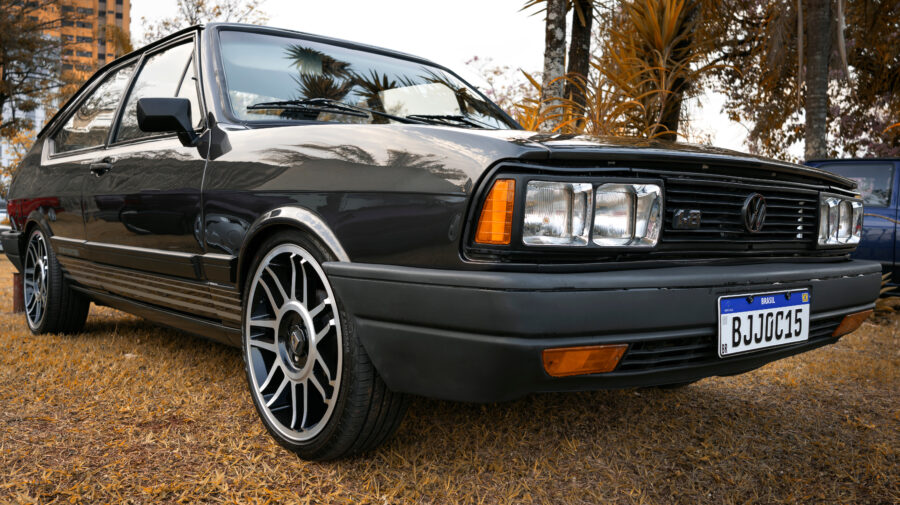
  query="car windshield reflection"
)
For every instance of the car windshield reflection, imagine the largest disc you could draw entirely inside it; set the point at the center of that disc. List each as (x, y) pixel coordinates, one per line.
(267, 69)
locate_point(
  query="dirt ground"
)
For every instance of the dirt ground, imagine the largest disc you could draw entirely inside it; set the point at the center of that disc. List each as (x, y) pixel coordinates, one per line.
(130, 412)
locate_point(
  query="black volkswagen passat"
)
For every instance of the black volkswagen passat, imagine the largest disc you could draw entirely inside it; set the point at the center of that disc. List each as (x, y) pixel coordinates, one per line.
(365, 225)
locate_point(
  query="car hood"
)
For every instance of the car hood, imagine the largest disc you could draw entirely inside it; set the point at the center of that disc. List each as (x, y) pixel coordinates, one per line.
(560, 147)
(439, 159)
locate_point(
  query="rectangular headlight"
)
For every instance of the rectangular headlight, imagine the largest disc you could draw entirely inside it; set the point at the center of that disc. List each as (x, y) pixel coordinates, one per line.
(627, 215)
(556, 213)
(840, 221)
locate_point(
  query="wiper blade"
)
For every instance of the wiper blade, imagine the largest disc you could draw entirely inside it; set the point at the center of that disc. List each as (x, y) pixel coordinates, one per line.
(306, 106)
(451, 120)
(327, 105)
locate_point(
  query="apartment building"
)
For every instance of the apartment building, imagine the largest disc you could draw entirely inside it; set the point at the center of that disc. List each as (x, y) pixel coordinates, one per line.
(92, 31)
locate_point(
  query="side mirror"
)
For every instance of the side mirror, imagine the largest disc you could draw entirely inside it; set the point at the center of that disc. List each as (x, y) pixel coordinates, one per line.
(166, 115)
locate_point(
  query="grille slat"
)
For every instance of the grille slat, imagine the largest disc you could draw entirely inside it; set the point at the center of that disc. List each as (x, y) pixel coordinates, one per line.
(790, 214)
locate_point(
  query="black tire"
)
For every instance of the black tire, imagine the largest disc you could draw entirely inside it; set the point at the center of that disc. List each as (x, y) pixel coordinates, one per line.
(63, 310)
(365, 413)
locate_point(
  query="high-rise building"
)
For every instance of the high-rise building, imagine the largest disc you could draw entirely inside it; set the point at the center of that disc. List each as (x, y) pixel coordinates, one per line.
(91, 30)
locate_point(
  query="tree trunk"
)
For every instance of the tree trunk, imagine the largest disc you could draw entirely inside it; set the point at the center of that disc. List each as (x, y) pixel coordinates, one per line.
(818, 56)
(580, 49)
(554, 60)
(670, 115)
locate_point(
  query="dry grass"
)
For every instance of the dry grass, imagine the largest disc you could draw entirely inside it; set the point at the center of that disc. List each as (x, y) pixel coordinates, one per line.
(131, 412)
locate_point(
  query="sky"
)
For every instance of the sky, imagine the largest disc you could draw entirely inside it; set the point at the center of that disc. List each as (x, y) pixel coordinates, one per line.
(449, 33)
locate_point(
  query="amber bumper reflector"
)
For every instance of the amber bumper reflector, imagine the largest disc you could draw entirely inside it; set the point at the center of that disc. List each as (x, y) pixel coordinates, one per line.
(565, 361)
(495, 223)
(851, 322)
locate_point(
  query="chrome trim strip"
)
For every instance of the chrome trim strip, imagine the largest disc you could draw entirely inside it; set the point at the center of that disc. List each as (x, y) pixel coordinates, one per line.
(194, 298)
(140, 250)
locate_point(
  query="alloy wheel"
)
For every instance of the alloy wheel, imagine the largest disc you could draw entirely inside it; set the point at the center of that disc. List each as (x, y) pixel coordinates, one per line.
(35, 279)
(293, 342)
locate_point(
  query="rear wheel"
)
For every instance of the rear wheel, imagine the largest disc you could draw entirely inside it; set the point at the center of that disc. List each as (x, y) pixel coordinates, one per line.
(51, 305)
(313, 385)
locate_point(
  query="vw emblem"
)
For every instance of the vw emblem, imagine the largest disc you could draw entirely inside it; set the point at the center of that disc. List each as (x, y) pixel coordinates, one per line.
(754, 212)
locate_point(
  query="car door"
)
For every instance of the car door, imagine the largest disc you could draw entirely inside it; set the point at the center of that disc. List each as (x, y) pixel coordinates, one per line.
(142, 202)
(877, 184)
(68, 156)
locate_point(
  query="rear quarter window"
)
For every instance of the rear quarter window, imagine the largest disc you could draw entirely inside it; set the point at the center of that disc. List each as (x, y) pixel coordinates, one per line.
(876, 181)
(89, 125)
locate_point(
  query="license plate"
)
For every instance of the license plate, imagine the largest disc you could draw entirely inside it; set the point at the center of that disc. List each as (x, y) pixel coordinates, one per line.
(762, 320)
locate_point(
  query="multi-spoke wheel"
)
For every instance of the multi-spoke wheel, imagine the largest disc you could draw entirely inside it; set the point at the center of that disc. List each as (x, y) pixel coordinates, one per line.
(293, 342)
(35, 277)
(309, 376)
(51, 306)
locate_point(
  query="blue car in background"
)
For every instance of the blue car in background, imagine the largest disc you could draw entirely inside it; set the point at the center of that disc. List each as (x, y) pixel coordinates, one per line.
(878, 184)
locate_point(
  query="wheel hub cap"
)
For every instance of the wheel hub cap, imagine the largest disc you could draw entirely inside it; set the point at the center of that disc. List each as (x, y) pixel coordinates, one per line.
(295, 339)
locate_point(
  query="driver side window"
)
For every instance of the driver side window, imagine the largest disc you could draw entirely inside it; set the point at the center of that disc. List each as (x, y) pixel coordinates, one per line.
(165, 74)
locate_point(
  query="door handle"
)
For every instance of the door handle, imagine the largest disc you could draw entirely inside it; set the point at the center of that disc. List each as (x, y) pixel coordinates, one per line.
(101, 167)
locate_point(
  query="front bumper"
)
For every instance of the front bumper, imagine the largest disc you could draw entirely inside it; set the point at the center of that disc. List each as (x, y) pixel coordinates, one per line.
(478, 336)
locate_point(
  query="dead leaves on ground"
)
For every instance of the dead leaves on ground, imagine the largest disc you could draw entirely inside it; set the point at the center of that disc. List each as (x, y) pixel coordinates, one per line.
(129, 412)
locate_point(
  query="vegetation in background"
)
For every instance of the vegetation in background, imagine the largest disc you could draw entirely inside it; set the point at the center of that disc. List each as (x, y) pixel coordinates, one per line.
(822, 72)
(30, 60)
(648, 61)
(193, 12)
(801, 69)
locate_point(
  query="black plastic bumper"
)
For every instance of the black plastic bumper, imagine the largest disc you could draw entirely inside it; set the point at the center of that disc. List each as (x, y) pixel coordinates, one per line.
(11, 241)
(478, 336)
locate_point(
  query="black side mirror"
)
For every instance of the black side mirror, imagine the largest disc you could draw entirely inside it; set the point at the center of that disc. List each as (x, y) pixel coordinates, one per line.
(165, 115)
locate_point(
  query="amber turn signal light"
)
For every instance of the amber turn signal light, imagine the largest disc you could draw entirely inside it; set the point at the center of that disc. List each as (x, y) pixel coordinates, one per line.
(565, 361)
(495, 223)
(851, 322)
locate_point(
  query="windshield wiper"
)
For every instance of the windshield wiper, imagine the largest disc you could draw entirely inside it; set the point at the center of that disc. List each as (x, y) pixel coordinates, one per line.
(328, 105)
(451, 120)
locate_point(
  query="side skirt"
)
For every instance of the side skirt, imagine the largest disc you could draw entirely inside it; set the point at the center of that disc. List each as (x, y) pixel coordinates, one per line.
(200, 299)
(208, 329)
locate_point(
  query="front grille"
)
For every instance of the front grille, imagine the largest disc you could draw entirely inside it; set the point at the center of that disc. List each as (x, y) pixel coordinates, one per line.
(697, 348)
(791, 214)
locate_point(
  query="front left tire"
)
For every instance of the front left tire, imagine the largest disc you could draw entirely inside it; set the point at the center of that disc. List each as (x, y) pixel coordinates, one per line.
(51, 305)
(313, 385)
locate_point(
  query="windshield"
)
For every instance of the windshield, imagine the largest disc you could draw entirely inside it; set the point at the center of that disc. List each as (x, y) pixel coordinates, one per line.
(262, 68)
(874, 180)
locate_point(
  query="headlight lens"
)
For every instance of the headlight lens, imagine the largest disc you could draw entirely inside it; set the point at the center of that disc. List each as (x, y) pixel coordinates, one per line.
(840, 221)
(627, 215)
(556, 213)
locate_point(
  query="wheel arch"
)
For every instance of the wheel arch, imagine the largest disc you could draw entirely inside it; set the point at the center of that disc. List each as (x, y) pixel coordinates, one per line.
(285, 218)
(36, 219)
